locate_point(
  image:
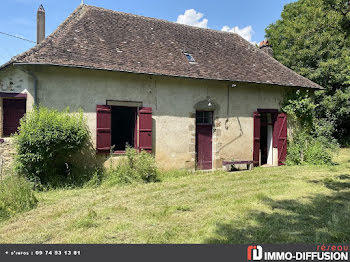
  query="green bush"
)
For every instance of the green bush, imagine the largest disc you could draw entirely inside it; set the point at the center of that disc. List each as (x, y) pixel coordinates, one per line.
(45, 143)
(300, 106)
(16, 195)
(136, 167)
(318, 154)
(295, 150)
(305, 149)
(313, 139)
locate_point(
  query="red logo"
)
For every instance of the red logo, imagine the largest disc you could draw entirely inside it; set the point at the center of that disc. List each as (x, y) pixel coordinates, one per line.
(255, 253)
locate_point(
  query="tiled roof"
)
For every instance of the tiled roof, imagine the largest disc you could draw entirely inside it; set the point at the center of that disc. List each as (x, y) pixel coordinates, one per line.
(97, 38)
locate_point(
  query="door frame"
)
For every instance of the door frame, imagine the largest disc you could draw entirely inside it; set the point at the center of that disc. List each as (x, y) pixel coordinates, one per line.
(274, 114)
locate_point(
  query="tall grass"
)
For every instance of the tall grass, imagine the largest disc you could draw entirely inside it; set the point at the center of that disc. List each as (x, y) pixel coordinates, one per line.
(136, 167)
(16, 195)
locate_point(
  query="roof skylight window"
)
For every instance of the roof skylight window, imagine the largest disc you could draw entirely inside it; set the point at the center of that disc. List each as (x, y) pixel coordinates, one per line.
(189, 57)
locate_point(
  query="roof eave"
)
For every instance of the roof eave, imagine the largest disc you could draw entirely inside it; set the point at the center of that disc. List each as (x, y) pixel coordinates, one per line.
(3, 66)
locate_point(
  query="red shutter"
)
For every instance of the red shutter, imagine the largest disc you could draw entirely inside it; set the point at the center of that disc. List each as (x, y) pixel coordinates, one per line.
(103, 138)
(256, 149)
(280, 138)
(145, 129)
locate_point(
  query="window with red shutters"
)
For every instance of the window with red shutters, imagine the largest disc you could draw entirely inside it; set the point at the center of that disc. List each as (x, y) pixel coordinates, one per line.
(145, 129)
(115, 128)
(256, 146)
(103, 138)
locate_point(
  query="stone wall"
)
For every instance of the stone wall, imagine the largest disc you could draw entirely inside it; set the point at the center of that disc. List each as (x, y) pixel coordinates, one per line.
(174, 102)
(7, 154)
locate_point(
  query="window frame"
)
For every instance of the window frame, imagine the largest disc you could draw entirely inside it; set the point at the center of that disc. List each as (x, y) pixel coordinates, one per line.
(189, 57)
(210, 117)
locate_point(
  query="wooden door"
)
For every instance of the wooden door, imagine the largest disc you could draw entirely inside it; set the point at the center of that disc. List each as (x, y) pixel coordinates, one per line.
(204, 135)
(280, 138)
(14, 110)
(256, 145)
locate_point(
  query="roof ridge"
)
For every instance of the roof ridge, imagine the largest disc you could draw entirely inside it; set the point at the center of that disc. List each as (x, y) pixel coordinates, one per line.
(166, 21)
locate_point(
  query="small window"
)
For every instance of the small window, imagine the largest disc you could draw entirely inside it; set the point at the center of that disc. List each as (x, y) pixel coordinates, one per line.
(204, 117)
(189, 57)
(266, 119)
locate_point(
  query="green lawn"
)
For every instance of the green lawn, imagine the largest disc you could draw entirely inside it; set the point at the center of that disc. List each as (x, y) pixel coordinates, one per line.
(266, 205)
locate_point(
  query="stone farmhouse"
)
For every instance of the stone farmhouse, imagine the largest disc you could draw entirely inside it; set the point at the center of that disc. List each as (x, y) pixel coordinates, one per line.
(193, 97)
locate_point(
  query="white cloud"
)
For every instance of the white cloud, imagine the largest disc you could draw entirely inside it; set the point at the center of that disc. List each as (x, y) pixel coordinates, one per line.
(193, 18)
(246, 32)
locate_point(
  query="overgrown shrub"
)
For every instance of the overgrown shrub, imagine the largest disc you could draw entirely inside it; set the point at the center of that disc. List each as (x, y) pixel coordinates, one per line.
(93, 178)
(45, 143)
(317, 154)
(305, 149)
(16, 195)
(300, 107)
(295, 149)
(312, 141)
(136, 167)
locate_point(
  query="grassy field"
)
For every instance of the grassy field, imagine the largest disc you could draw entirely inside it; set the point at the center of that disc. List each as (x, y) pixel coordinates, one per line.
(266, 205)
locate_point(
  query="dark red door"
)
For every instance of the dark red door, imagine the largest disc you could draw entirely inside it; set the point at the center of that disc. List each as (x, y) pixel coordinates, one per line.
(204, 146)
(14, 110)
(256, 145)
(280, 138)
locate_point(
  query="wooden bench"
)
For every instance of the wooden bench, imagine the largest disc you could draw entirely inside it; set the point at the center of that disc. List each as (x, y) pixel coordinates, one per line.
(249, 163)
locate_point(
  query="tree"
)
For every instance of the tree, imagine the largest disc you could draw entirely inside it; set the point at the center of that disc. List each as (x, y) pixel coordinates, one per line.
(313, 38)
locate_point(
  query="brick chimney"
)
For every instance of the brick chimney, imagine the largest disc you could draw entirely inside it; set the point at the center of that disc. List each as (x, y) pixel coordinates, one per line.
(40, 25)
(266, 47)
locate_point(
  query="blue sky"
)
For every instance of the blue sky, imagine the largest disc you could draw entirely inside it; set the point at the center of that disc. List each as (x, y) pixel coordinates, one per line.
(248, 18)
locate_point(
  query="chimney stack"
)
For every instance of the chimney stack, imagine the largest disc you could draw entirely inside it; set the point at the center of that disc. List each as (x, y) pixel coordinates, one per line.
(266, 47)
(40, 25)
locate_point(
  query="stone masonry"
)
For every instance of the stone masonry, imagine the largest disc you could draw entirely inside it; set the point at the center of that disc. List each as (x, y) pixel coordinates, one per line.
(7, 154)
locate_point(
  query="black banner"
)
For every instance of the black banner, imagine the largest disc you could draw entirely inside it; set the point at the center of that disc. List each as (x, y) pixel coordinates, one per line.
(154, 253)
